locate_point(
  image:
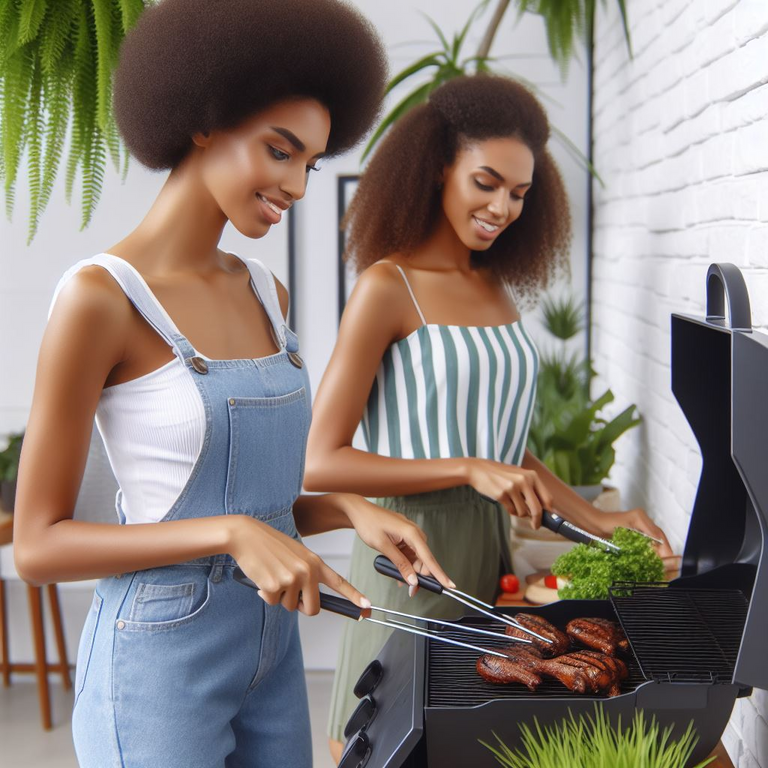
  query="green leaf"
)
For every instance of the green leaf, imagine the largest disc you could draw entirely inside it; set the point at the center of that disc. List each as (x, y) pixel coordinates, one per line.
(34, 148)
(439, 32)
(30, 19)
(430, 60)
(615, 428)
(106, 53)
(56, 98)
(458, 40)
(130, 10)
(411, 100)
(577, 154)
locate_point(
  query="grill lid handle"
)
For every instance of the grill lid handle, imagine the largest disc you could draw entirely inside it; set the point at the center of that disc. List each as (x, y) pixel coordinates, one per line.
(387, 568)
(725, 281)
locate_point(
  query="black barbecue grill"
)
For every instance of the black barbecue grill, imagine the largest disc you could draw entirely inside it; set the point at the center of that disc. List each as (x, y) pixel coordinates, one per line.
(697, 642)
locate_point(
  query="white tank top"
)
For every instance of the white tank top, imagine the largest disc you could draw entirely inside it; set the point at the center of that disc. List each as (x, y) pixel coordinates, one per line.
(153, 426)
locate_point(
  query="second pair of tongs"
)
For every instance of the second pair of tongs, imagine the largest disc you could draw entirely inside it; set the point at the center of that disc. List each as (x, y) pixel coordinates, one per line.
(386, 567)
(347, 608)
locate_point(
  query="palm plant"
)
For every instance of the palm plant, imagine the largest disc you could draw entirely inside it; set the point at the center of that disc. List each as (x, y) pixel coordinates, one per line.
(56, 63)
(565, 21)
(567, 431)
(592, 742)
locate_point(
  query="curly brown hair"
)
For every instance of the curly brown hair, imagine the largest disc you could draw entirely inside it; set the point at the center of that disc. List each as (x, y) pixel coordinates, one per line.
(398, 199)
(193, 66)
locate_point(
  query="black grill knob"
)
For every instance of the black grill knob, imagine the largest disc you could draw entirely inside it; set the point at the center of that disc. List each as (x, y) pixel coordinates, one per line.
(361, 717)
(357, 751)
(370, 678)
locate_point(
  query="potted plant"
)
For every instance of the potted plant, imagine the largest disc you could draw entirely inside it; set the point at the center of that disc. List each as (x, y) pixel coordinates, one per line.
(593, 742)
(9, 469)
(568, 431)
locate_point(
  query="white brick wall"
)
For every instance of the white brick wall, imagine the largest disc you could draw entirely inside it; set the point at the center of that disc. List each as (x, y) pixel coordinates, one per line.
(681, 140)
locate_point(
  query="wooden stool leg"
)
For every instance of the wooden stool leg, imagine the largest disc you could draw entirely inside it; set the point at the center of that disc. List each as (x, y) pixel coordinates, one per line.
(53, 596)
(35, 595)
(5, 663)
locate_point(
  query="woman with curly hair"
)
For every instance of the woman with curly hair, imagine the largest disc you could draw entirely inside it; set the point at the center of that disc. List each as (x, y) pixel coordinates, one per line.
(181, 352)
(461, 210)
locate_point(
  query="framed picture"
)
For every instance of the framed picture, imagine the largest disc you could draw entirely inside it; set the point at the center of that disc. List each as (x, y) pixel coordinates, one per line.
(346, 186)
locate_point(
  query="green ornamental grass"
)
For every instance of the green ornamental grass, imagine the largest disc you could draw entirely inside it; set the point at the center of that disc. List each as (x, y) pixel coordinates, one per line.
(592, 742)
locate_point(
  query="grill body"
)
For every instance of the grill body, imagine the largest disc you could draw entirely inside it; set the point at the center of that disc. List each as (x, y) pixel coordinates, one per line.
(697, 642)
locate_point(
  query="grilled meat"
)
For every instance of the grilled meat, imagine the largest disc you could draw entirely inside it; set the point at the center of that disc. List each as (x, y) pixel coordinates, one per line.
(615, 669)
(560, 641)
(600, 676)
(571, 677)
(494, 669)
(602, 635)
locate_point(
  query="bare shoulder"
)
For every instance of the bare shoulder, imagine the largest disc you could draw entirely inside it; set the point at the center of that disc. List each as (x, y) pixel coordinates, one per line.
(90, 308)
(382, 283)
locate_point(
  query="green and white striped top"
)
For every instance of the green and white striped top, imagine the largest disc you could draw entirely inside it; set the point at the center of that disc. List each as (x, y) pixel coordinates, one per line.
(447, 391)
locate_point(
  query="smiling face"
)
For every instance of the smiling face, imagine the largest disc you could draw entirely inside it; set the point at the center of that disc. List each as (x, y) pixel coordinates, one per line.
(256, 171)
(484, 189)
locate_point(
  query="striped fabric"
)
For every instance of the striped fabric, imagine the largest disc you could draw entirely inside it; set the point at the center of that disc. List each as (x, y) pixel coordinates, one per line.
(448, 391)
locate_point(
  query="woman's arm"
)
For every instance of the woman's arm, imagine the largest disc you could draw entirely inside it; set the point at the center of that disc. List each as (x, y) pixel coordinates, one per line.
(85, 339)
(390, 533)
(372, 321)
(568, 503)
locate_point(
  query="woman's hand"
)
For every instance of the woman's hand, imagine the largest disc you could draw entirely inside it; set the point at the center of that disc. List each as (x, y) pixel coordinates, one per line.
(520, 491)
(286, 571)
(396, 537)
(606, 522)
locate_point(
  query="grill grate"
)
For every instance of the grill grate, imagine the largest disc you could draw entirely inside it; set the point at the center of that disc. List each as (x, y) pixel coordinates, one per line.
(453, 681)
(682, 635)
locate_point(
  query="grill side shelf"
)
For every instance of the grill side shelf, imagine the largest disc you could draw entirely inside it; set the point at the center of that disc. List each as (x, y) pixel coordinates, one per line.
(682, 635)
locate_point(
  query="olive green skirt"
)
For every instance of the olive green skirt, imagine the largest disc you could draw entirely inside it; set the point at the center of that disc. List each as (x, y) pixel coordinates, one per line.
(468, 535)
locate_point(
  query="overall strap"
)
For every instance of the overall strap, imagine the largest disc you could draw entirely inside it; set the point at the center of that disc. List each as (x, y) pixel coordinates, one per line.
(263, 284)
(408, 286)
(140, 295)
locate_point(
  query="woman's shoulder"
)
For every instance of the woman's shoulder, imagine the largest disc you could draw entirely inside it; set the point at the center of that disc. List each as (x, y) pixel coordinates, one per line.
(89, 291)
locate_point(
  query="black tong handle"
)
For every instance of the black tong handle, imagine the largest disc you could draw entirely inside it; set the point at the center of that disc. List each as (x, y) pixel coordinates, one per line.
(328, 602)
(387, 568)
(557, 524)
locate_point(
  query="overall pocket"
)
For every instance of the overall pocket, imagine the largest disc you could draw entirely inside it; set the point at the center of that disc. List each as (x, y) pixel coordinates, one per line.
(158, 605)
(85, 648)
(267, 441)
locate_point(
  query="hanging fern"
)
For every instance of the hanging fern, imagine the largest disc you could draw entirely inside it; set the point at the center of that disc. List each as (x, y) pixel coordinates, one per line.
(56, 63)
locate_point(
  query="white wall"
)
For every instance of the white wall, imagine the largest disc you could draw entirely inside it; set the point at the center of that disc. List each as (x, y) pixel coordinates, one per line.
(28, 274)
(681, 139)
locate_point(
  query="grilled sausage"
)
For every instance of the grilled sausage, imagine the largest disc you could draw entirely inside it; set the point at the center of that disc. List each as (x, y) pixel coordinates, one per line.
(560, 641)
(494, 669)
(571, 677)
(595, 635)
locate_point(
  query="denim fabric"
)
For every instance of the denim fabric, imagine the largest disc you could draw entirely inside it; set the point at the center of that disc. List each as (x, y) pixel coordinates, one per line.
(181, 666)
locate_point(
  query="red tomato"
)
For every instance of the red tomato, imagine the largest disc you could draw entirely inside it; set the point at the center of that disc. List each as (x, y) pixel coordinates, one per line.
(510, 583)
(550, 581)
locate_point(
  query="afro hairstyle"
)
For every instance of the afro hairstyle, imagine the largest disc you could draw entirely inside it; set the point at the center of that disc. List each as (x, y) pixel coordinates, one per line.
(398, 199)
(195, 66)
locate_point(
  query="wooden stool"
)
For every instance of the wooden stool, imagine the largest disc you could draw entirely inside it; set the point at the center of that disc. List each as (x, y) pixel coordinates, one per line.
(41, 667)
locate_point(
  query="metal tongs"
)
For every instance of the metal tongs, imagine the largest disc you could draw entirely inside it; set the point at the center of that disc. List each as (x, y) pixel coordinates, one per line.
(386, 567)
(346, 608)
(557, 524)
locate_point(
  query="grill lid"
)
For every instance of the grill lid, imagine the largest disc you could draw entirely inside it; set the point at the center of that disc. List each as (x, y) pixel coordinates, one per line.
(719, 371)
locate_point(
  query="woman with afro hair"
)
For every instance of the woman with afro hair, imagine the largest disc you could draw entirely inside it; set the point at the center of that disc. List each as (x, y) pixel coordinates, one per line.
(182, 354)
(461, 208)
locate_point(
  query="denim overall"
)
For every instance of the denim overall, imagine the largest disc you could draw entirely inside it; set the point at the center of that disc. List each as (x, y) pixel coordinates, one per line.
(181, 666)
